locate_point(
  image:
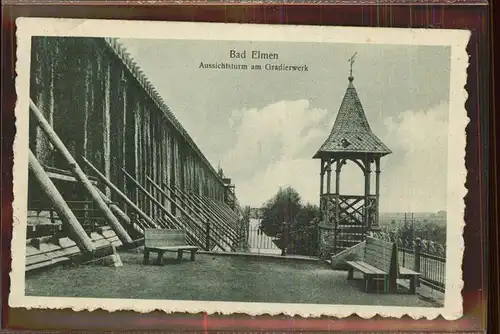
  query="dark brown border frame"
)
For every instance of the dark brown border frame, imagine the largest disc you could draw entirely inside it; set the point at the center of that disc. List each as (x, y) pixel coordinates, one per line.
(473, 17)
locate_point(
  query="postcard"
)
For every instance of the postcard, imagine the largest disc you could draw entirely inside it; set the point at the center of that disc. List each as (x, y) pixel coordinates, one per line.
(239, 168)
